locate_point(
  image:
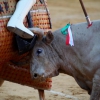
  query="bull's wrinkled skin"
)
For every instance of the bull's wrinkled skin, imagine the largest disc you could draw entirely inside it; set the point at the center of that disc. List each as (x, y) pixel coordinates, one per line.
(81, 61)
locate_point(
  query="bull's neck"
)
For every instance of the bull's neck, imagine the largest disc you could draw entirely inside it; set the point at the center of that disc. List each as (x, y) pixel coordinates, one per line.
(64, 52)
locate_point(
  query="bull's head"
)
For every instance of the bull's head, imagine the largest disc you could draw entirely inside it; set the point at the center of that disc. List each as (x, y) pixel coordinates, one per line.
(44, 58)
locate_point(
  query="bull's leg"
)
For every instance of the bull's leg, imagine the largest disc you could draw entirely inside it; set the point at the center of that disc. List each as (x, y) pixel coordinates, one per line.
(1, 81)
(95, 95)
(95, 92)
(41, 94)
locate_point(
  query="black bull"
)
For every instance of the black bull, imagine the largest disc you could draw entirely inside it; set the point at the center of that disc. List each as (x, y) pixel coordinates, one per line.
(51, 56)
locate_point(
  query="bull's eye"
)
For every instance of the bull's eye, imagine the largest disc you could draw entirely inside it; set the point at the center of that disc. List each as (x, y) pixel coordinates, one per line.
(39, 51)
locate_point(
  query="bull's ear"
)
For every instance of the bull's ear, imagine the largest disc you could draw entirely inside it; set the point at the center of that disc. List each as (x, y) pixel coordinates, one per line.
(49, 37)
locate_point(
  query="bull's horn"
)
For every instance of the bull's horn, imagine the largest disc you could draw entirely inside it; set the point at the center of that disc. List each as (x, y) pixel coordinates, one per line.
(39, 32)
(48, 38)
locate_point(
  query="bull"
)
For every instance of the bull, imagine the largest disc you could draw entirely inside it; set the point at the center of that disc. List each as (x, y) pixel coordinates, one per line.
(52, 56)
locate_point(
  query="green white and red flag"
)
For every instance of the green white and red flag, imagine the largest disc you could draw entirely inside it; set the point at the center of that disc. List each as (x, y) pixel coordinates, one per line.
(69, 37)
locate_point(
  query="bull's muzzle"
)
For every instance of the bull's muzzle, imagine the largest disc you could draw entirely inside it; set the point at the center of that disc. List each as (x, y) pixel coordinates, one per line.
(38, 75)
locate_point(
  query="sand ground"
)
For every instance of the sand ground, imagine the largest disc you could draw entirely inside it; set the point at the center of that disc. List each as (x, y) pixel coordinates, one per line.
(62, 12)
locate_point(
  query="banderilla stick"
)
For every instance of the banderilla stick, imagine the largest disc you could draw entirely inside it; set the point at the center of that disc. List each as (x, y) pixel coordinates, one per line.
(85, 13)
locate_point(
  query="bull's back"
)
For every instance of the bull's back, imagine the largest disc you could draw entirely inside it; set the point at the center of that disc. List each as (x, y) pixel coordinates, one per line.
(84, 33)
(87, 47)
(87, 39)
